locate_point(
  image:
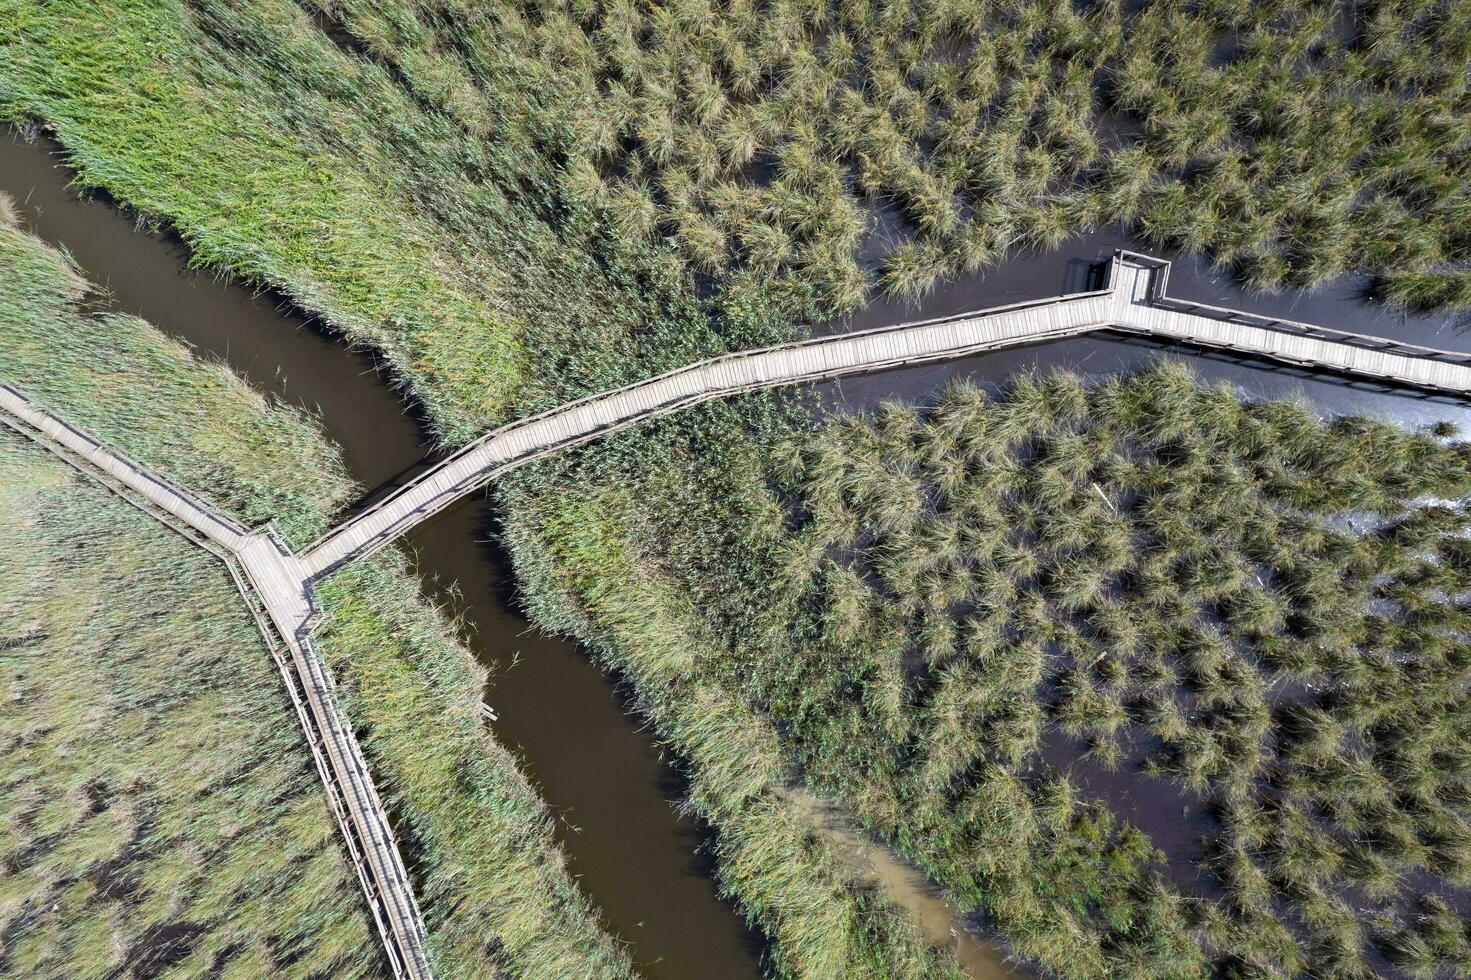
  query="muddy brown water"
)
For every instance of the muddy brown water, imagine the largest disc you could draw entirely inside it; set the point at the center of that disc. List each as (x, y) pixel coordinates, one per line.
(597, 766)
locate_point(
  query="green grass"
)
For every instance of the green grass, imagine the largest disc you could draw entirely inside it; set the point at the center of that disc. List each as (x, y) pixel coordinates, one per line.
(149, 733)
(161, 805)
(512, 203)
(1290, 141)
(932, 614)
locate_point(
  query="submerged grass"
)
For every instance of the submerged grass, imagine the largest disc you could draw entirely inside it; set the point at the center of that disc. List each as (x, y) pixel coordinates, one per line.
(616, 309)
(90, 732)
(951, 619)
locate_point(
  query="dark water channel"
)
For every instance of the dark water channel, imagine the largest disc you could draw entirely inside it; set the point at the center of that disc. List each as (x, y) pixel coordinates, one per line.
(599, 770)
(1031, 275)
(1174, 819)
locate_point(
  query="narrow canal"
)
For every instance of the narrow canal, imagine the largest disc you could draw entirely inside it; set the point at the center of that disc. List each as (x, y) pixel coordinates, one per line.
(597, 766)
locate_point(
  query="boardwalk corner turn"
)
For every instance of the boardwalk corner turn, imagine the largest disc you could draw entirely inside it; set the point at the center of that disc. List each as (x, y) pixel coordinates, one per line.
(280, 582)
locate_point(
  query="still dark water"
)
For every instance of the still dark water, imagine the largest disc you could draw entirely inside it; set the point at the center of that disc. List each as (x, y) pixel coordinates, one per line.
(596, 766)
(1174, 819)
(1032, 275)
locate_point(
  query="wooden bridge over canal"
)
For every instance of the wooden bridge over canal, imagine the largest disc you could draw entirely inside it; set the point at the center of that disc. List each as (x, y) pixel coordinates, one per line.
(278, 584)
(1133, 301)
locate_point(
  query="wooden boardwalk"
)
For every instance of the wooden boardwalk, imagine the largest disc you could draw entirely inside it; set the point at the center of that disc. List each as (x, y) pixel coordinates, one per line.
(274, 589)
(278, 585)
(1133, 301)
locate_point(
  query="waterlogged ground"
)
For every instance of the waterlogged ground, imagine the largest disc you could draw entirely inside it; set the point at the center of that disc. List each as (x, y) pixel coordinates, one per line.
(1173, 819)
(636, 858)
(595, 765)
(1030, 276)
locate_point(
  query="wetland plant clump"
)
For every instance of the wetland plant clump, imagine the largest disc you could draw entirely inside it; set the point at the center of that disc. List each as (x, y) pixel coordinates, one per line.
(520, 203)
(162, 813)
(953, 620)
(1261, 613)
(161, 808)
(826, 144)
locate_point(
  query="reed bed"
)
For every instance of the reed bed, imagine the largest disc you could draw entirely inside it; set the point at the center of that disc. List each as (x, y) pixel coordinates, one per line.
(520, 203)
(162, 810)
(165, 809)
(1258, 610)
(1290, 141)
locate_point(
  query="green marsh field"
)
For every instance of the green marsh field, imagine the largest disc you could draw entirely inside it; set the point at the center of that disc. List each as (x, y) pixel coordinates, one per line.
(912, 613)
(162, 808)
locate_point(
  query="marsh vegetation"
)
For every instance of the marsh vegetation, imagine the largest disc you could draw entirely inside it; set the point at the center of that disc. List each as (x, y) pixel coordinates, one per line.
(1246, 607)
(1266, 611)
(1291, 141)
(522, 203)
(162, 806)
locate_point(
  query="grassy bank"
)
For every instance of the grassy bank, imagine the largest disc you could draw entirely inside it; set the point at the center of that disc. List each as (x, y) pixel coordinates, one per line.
(522, 203)
(160, 679)
(640, 312)
(161, 806)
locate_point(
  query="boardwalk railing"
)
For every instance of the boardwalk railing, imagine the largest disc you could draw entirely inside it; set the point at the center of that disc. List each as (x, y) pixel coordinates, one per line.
(1159, 284)
(721, 377)
(1134, 301)
(339, 761)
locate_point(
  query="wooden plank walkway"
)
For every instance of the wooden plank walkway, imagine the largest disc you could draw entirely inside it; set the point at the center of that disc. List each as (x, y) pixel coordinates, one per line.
(276, 593)
(1134, 301)
(278, 585)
